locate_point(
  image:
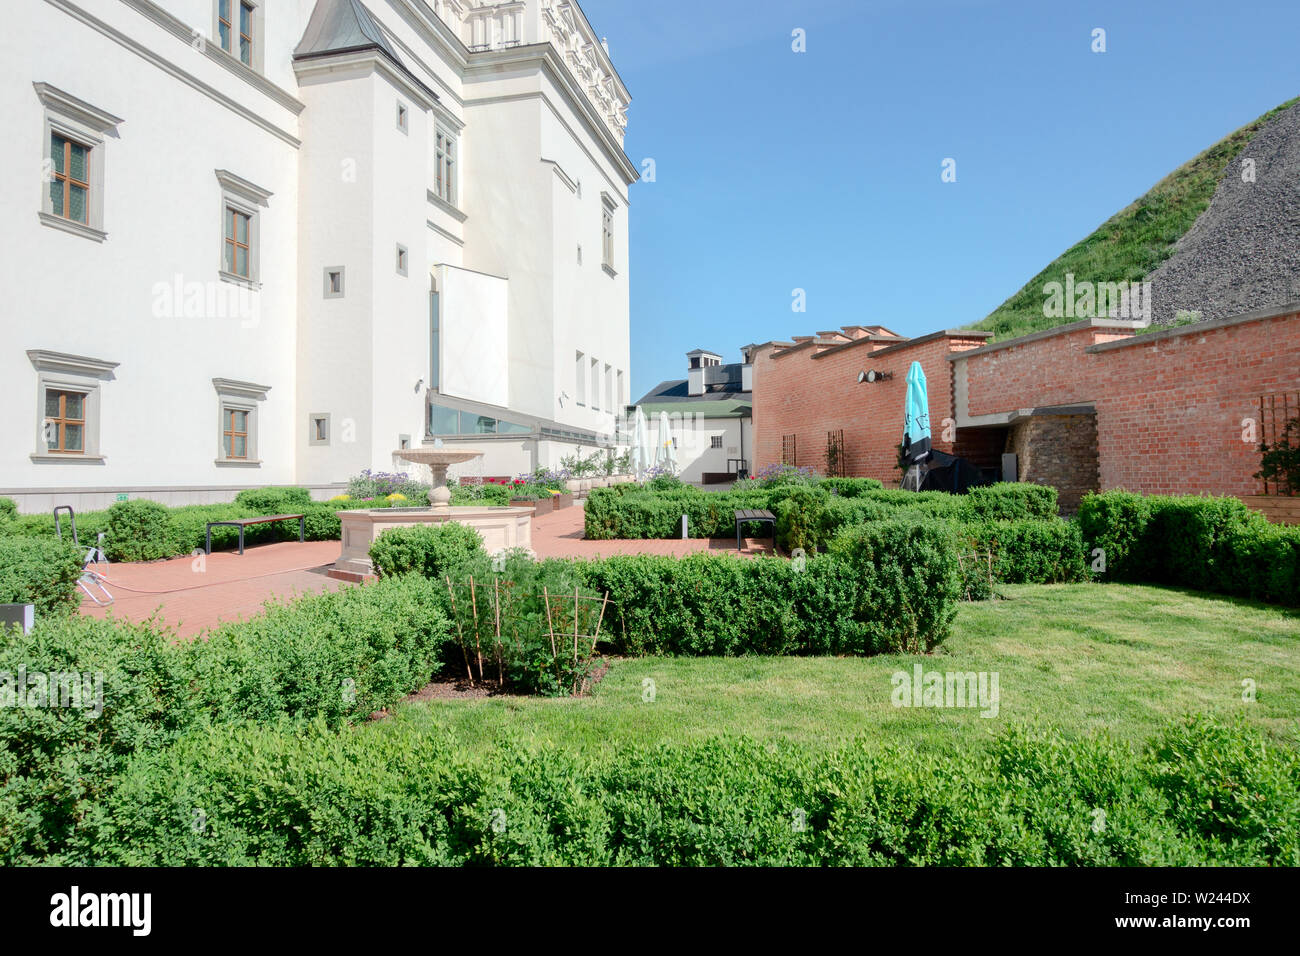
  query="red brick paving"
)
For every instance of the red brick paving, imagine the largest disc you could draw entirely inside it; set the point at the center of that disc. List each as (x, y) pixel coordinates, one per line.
(193, 594)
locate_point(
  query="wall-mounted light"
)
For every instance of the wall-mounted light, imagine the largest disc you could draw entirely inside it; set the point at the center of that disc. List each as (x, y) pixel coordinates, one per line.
(874, 376)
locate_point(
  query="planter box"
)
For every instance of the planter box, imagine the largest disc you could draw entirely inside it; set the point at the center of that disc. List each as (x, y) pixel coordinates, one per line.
(573, 486)
(564, 500)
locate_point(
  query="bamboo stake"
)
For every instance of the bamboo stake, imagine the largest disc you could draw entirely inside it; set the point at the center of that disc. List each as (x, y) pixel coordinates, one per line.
(550, 627)
(460, 632)
(478, 644)
(496, 601)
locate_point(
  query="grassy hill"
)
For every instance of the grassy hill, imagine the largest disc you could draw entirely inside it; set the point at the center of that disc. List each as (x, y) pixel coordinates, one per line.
(1131, 243)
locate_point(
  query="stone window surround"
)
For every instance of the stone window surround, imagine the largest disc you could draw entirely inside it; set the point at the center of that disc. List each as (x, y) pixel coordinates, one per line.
(608, 206)
(403, 260)
(342, 271)
(76, 120)
(240, 194)
(259, 32)
(244, 397)
(75, 373)
(311, 428)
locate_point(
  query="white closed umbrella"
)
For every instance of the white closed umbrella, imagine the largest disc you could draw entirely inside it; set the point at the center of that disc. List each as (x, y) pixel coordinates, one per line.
(642, 458)
(666, 456)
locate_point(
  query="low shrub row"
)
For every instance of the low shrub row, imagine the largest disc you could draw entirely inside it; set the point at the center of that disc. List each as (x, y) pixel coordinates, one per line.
(144, 530)
(40, 571)
(1209, 544)
(809, 513)
(86, 694)
(1204, 792)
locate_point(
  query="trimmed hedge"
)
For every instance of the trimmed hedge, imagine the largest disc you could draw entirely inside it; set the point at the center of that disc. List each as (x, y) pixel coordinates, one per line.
(890, 586)
(334, 657)
(1029, 551)
(397, 795)
(41, 572)
(430, 550)
(809, 513)
(1209, 544)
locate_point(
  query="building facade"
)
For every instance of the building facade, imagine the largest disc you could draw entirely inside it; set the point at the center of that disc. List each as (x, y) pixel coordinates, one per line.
(710, 417)
(1091, 406)
(257, 242)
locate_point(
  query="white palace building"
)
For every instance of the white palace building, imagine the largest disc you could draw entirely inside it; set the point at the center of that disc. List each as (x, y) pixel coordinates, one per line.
(267, 242)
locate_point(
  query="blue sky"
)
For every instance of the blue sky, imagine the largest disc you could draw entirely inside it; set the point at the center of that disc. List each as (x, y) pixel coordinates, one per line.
(821, 170)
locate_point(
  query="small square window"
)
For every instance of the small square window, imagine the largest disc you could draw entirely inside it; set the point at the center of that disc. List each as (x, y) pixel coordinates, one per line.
(318, 431)
(333, 282)
(403, 118)
(579, 253)
(402, 268)
(715, 441)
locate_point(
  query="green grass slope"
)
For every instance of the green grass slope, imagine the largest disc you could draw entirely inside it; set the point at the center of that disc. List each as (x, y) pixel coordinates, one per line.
(1130, 244)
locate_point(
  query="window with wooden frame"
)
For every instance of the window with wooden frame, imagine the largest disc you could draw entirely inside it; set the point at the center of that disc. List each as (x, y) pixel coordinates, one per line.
(236, 29)
(65, 421)
(69, 179)
(238, 242)
(234, 435)
(73, 151)
(444, 176)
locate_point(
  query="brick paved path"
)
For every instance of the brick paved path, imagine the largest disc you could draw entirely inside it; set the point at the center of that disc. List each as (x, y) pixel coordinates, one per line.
(192, 594)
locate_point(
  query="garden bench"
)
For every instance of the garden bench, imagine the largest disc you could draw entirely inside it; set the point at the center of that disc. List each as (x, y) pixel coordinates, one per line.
(751, 514)
(242, 523)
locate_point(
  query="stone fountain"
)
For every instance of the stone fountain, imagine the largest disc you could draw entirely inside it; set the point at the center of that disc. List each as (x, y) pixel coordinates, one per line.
(501, 528)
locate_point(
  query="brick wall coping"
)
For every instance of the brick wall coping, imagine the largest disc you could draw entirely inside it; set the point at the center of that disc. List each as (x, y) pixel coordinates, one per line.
(1258, 315)
(898, 344)
(1118, 324)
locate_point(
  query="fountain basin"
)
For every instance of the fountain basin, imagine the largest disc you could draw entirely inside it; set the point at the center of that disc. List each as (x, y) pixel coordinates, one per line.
(501, 528)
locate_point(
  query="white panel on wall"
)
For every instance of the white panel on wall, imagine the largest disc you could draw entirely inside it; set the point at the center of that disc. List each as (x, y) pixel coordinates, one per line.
(473, 324)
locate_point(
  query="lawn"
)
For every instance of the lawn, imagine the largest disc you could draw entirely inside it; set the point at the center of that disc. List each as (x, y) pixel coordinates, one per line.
(1082, 657)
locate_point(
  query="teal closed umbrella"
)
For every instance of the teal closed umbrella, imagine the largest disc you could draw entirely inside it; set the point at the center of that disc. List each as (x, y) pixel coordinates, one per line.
(916, 420)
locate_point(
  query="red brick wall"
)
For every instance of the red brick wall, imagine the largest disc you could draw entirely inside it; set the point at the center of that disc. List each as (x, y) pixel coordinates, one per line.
(1169, 411)
(807, 394)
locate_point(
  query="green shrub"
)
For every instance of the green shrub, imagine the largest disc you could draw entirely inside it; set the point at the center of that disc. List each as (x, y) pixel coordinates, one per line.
(398, 795)
(432, 550)
(1012, 501)
(850, 487)
(139, 531)
(801, 519)
(909, 581)
(334, 656)
(8, 510)
(56, 762)
(487, 494)
(1116, 522)
(1211, 544)
(1029, 551)
(274, 501)
(40, 571)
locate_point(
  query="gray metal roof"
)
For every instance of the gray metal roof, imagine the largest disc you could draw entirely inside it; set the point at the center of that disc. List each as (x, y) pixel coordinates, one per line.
(339, 25)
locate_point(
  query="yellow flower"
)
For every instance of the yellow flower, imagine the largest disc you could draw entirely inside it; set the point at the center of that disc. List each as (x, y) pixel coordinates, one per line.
(341, 498)
(397, 496)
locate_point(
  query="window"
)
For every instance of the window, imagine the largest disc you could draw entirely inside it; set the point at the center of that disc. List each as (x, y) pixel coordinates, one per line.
(403, 118)
(241, 204)
(234, 439)
(450, 421)
(609, 389)
(68, 405)
(607, 233)
(580, 378)
(334, 282)
(318, 429)
(401, 260)
(622, 393)
(65, 421)
(238, 236)
(238, 26)
(237, 407)
(444, 176)
(69, 179)
(595, 385)
(73, 163)
(715, 441)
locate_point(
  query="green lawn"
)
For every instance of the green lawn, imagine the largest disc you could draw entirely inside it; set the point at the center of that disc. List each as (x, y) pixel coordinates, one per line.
(1081, 656)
